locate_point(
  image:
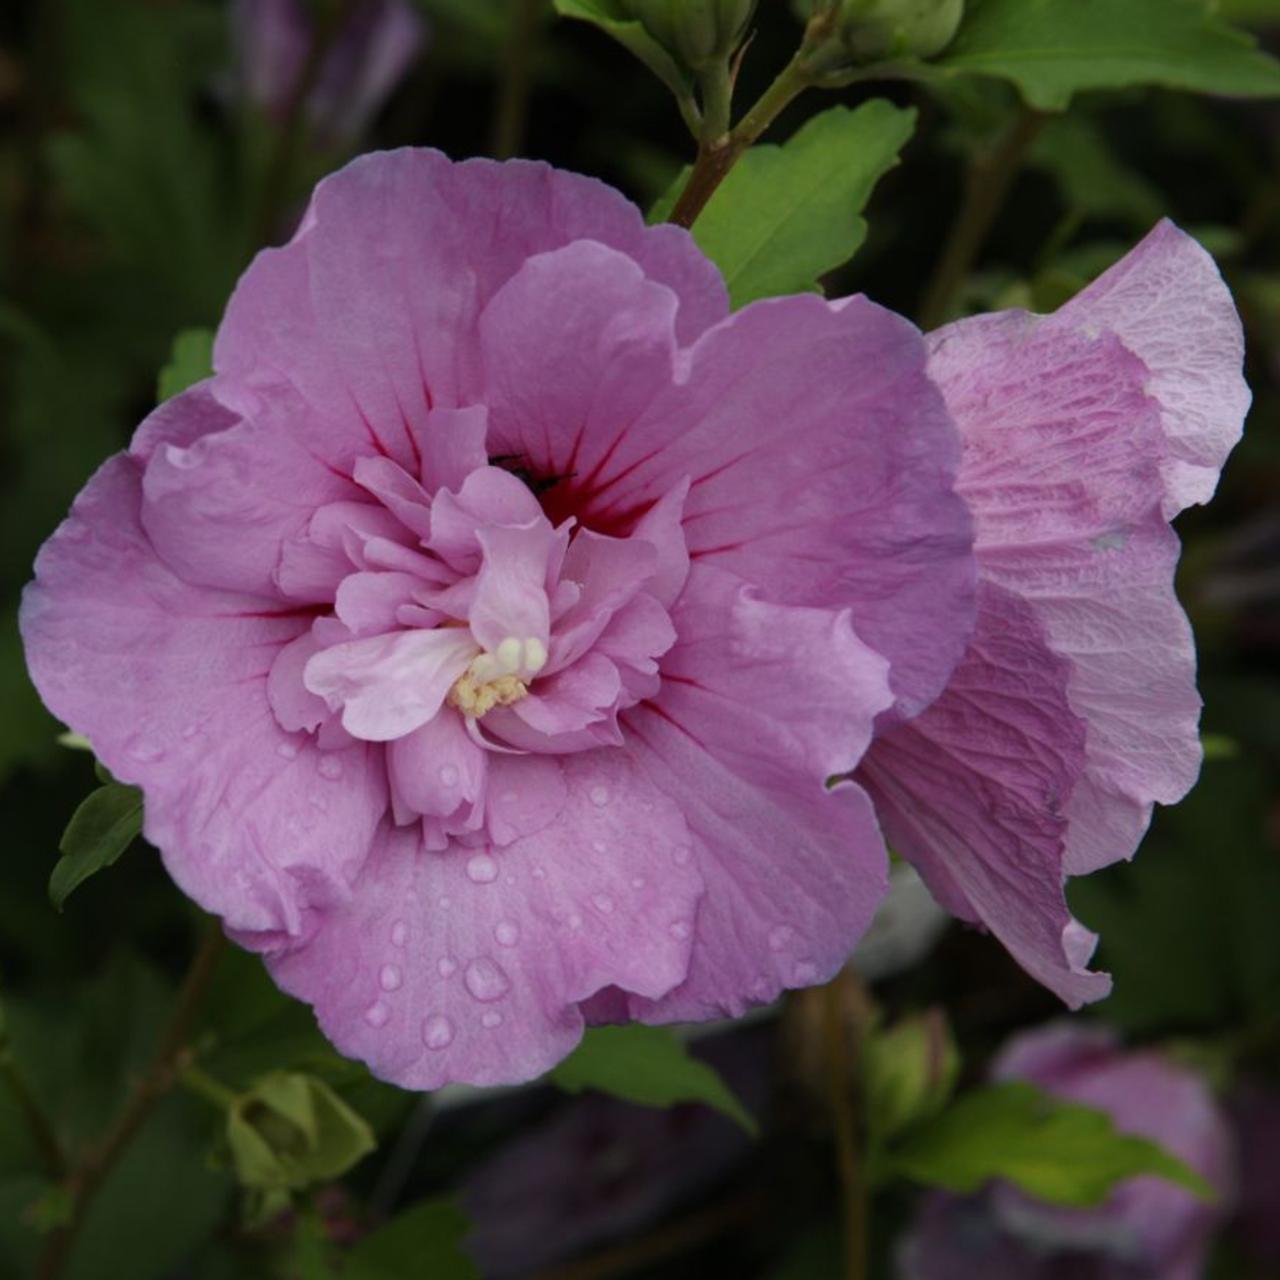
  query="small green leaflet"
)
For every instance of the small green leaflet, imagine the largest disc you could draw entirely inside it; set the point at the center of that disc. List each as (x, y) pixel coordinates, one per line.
(1057, 1151)
(786, 215)
(425, 1240)
(1053, 49)
(190, 361)
(648, 1065)
(100, 830)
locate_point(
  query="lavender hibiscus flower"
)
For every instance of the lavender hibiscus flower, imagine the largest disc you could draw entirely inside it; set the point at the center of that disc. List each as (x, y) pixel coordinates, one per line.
(1148, 1229)
(486, 632)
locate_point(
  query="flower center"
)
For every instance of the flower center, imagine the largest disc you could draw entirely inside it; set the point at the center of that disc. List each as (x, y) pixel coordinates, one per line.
(499, 678)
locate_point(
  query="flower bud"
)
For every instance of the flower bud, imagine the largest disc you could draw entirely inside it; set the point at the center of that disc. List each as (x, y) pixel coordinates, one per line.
(909, 1070)
(694, 32)
(863, 31)
(290, 1130)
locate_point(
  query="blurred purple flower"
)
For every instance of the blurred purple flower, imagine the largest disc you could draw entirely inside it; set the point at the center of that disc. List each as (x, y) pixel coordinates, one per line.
(374, 46)
(1148, 1229)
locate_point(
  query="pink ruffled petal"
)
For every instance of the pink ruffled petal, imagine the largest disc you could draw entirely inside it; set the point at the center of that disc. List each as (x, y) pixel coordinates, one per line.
(489, 496)
(370, 313)
(369, 603)
(1168, 304)
(389, 685)
(398, 491)
(760, 705)
(452, 446)
(169, 683)
(436, 769)
(294, 706)
(472, 964)
(511, 598)
(972, 792)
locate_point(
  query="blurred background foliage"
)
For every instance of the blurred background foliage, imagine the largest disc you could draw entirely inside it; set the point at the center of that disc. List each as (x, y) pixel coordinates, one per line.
(138, 175)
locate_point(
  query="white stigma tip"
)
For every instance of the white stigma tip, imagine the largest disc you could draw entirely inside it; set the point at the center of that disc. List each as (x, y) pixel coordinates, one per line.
(508, 654)
(535, 655)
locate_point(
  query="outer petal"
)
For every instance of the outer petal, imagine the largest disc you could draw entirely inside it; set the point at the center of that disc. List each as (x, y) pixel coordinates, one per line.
(469, 965)
(169, 683)
(1062, 468)
(760, 705)
(972, 793)
(369, 314)
(1167, 302)
(821, 457)
(220, 506)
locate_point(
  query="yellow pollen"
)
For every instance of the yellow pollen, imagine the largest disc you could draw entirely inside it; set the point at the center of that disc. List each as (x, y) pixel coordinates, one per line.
(473, 696)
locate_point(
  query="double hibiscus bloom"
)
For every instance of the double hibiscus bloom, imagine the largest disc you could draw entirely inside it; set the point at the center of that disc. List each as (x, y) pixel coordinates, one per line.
(507, 638)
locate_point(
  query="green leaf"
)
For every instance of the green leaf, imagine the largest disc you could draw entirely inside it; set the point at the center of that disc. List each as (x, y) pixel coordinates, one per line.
(1057, 1151)
(786, 215)
(100, 830)
(648, 1065)
(424, 1240)
(1053, 49)
(612, 18)
(191, 361)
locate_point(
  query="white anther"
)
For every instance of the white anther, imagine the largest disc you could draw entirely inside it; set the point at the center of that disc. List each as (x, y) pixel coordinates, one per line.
(535, 655)
(509, 653)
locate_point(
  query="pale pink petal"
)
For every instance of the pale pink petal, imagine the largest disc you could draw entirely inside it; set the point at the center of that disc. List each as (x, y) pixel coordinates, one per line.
(1062, 469)
(437, 768)
(389, 685)
(472, 965)
(295, 707)
(511, 597)
(1169, 305)
(169, 683)
(369, 602)
(398, 491)
(452, 446)
(369, 314)
(762, 706)
(972, 792)
(489, 496)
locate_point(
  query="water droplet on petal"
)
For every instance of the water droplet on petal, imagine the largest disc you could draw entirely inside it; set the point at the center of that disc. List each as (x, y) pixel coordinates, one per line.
(446, 966)
(146, 752)
(680, 929)
(437, 1032)
(599, 846)
(390, 977)
(330, 767)
(510, 797)
(682, 855)
(600, 796)
(638, 882)
(575, 921)
(779, 937)
(399, 933)
(377, 1013)
(539, 873)
(491, 1018)
(189, 731)
(287, 751)
(507, 933)
(602, 903)
(486, 979)
(445, 902)
(481, 869)
(448, 775)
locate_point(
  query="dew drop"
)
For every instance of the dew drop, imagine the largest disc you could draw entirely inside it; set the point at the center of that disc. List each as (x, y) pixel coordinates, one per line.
(539, 873)
(437, 1032)
(330, 767)
(779, 936)
(486, 979)
(602, 903)
(146, 752)
(446, 966)
(575, 921)
(399, 933)
(390, 977)
(510, 797)
(680, 929)
(507, 933)
(445, 902)
(491, 1018)
(599, 796)
(599, 846)
(287, 751)
(481, 869)
(448, 775)
(638, 882)
(189, 731)
(377, 1013)
(682, 855)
